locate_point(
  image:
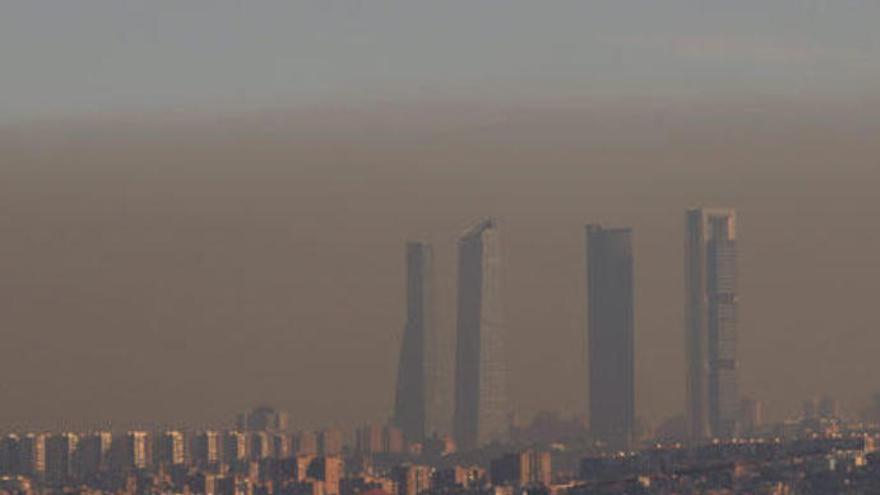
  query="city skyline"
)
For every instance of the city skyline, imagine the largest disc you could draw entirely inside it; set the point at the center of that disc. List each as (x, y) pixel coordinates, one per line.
(821, 453)
(439, 248)
(480, 412)
(227, 186)
(710, 227)
(213, 265)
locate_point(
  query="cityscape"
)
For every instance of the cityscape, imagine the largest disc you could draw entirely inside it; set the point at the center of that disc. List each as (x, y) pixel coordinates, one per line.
(721, 445)
(444, 247)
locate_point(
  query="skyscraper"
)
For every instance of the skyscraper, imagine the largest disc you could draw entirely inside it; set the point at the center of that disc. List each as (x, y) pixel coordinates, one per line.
(610, 335)
(480, 414)
(417, 402)
(711, 323)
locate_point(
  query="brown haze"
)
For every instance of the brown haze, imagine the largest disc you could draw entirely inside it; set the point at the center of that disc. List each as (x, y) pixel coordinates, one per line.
(176, 269)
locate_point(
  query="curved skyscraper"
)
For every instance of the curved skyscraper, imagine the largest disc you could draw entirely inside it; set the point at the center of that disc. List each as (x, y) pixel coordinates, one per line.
(480, 413)
(711, 323)
(418, 403)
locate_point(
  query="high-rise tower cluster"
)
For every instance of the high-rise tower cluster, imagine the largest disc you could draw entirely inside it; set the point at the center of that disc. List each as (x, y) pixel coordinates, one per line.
(479, 416)
(479, 410)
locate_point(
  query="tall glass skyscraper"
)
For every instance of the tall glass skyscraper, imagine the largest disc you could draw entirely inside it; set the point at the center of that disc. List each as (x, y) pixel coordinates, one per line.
(711, 323)
(610, 335)
(480, 375)
(418, 403)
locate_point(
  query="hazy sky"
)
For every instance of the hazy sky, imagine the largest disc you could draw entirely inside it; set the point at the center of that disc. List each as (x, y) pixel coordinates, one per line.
(100, 55)
(204, 204)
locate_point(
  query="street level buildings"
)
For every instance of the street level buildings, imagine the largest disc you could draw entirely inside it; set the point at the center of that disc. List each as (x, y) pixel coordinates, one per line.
(61, 458)
(411, 479)
(207, 448)
(522, 469)
(170, 448)
(32, 454)
(95, 450)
